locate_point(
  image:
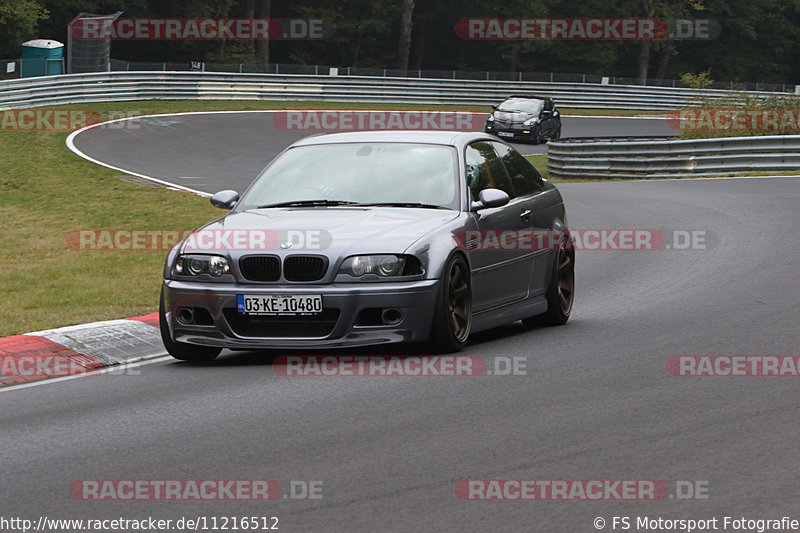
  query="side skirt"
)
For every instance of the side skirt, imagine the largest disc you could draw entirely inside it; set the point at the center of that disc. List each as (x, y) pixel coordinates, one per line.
(499, 316)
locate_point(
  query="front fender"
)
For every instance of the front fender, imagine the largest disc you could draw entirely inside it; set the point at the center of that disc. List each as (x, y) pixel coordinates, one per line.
(436, 248)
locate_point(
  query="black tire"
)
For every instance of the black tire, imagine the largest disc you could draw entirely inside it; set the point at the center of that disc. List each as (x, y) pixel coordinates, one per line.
(182, 350)
(560, 293)
(557, 135)
(536, 137)
(453, 317)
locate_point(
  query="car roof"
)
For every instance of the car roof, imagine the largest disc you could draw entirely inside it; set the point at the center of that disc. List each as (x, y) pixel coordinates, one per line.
(529, 97)
(450, 138)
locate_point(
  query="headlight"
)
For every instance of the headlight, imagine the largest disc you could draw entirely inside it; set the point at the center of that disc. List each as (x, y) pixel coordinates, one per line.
(490, 118)
(218, 266)
(194, 265)
(384, 266)
(530, 122)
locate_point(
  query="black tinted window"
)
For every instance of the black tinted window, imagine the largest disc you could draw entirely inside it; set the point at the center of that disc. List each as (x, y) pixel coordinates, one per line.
(485, 170)
(524, 177)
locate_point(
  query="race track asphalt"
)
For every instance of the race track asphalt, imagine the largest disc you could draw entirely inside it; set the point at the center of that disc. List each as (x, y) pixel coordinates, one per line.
(209, 151)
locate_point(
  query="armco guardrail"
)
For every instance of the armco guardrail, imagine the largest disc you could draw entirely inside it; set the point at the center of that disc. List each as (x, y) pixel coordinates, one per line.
(628, 158)
(119, 86)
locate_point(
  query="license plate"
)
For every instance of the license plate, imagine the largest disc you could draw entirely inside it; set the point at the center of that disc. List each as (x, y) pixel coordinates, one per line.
(279, 304)
(504, 134)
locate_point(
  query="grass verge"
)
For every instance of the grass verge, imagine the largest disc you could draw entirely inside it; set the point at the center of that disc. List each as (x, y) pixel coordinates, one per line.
(48, 192)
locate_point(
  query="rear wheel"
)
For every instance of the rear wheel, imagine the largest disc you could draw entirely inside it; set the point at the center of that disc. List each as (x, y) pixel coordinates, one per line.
(182, 350)
(453, 317)
(560, 290)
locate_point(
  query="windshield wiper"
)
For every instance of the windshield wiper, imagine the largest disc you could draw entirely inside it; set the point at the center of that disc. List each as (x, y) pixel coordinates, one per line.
(404, 204)
(308, 203)
(323, 203)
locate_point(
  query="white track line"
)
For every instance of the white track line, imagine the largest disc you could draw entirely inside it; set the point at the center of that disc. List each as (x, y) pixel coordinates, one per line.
(79, 153)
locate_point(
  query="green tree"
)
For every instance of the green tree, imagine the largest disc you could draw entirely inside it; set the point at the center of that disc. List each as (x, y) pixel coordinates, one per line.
(18, 22)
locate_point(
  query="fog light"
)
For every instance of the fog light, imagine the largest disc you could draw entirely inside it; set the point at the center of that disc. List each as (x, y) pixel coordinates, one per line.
(185, 315)
(392, 316)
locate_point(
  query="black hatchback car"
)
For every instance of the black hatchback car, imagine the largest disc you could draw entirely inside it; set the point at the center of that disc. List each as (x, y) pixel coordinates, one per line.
(525, 118)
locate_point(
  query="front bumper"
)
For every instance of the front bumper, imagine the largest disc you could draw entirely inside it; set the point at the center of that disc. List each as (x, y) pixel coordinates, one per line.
(521, 133)
(343, 304)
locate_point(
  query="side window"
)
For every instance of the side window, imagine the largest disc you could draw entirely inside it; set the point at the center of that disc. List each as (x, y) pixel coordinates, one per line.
(486, 170)
(524, 177)
(549, 105)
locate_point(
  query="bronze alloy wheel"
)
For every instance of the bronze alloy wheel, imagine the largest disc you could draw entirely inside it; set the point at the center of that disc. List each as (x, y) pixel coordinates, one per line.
(459, 301)
(560, 289)
(566, 279)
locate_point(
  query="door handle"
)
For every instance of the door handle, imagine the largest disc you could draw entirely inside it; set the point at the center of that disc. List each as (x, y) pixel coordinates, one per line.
(525, 214)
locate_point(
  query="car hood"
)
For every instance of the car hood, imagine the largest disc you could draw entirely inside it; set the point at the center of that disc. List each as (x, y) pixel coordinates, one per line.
(331, 231)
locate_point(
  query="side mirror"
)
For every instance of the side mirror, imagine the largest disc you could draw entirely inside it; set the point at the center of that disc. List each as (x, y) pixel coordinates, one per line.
(489, 198)
(225, 199)
(494, 106)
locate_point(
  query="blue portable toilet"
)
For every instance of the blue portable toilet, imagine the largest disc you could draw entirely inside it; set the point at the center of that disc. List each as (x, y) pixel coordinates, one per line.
(42, 57)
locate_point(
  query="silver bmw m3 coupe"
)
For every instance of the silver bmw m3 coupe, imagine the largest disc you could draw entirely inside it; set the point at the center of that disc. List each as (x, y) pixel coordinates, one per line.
(351, 239)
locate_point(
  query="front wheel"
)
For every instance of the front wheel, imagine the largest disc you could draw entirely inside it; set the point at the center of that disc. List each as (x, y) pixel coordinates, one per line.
(453, 317)
(182, 350)
(560, 290)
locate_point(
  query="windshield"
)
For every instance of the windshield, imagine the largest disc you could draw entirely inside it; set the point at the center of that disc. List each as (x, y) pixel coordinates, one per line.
(361, 173)
(526, 105)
